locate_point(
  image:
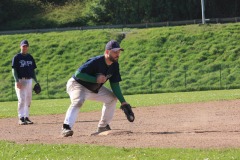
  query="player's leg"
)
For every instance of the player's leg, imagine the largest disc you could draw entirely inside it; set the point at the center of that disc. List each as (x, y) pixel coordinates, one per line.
(109, 105)
(77, 96)
(28, 90)
(21, 95)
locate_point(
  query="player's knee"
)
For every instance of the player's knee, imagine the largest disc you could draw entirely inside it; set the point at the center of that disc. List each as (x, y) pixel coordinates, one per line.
(115, 99)
(77, 103)
(112, 100)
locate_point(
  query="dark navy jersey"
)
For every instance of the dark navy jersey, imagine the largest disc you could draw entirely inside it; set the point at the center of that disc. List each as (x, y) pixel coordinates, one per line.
(24, 65)
(96, 66)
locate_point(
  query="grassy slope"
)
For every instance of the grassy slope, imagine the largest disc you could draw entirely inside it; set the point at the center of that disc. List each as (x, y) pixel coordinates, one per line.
(198, 51)
(57, 55)
(176, 58)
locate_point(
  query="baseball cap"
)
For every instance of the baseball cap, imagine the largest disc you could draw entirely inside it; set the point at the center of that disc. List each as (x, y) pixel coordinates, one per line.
(113, 45)
(24, 43)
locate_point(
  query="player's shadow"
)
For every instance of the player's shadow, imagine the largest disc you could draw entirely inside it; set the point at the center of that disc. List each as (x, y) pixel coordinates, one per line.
(87, 121)
(93, 121)
(156, 133)
(151, 133)
(196, 132)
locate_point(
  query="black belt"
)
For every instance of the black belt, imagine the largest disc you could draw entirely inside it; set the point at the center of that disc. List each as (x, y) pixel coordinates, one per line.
(25, 78)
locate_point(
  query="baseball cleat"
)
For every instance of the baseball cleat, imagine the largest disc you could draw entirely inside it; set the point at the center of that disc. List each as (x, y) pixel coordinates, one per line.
(103, 129)
(22, 121)
(27, 120)
(66, 131)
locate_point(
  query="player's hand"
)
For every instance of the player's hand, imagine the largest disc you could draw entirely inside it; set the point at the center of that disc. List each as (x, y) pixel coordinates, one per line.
(19, 85)
(127, 109)
(101, 78)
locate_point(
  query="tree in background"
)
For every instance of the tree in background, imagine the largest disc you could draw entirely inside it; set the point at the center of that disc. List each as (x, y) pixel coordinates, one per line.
(26, 14)
(222, 8)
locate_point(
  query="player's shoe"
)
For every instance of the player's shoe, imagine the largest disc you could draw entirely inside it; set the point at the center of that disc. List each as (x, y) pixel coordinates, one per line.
(27, 120)
(66, 131)
(103, 129)
(22, 121)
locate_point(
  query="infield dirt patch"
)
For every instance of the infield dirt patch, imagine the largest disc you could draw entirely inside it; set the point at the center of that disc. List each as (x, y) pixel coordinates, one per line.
(195, 125)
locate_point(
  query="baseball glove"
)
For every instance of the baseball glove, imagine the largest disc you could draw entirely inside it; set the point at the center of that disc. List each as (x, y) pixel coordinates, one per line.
(37, 88)
(127, 109)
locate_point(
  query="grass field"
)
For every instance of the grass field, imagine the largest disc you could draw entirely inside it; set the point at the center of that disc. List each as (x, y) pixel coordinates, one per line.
(82, 152)
(10, 150)
(59, 106)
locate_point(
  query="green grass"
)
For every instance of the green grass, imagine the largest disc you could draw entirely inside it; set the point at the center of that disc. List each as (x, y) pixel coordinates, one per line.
(60, 106)
(10, 150)
(155, 60)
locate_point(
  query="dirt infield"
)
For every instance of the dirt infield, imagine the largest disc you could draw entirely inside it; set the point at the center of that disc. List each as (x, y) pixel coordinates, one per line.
(196, 125)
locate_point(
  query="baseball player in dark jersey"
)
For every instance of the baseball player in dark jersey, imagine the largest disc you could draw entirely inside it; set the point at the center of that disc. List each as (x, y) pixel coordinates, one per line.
(23, 65)
(87, 84)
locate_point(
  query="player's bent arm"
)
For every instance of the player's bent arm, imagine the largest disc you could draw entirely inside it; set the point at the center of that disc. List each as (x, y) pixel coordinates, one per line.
(14, 72)
(117, 91)
(85, 77)
(34, 77)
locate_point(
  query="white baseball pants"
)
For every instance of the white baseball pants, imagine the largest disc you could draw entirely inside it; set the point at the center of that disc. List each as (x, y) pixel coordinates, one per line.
(78, 94)
(24, 96)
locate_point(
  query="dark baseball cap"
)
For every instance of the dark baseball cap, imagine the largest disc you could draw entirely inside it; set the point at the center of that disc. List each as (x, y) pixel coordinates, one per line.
(24, 43)
(113, 45)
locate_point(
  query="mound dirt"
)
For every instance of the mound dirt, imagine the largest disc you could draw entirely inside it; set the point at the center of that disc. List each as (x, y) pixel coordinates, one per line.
(195, 125)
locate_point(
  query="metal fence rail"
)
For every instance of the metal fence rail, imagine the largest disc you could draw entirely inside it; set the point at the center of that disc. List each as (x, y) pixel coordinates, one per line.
(150, 81)
(140, 25)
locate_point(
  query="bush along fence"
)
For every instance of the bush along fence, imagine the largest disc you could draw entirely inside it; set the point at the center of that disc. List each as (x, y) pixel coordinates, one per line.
(121, 26)
(146, 81)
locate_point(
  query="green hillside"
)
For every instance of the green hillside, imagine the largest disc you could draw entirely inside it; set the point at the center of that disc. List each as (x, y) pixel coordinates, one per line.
(167, 59)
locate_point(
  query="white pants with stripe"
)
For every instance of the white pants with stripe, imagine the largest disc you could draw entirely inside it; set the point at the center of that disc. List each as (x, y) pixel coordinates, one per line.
(24, 96)
(78, 94)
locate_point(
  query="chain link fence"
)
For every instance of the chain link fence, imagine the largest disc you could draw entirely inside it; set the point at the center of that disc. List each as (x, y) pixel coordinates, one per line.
(160, 80)
(150, 80)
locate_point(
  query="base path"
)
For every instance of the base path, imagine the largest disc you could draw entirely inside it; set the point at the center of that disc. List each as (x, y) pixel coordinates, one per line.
(195, 125)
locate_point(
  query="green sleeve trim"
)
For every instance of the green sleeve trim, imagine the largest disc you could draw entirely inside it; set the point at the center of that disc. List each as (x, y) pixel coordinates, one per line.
(14, 72)
(85, 77)
(117, 91)
(34, 77)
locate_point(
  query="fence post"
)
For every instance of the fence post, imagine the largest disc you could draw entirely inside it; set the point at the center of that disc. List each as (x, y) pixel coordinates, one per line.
(185, 79)
(150, 73)
(220, 77)
(12, 87)
(47, 86)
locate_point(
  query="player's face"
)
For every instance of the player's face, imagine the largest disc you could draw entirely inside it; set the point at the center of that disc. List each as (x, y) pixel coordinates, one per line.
(24, 49)
(114, 55)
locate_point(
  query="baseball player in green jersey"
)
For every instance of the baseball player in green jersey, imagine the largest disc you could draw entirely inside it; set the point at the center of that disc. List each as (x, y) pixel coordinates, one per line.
(23, 66)
(87, 84)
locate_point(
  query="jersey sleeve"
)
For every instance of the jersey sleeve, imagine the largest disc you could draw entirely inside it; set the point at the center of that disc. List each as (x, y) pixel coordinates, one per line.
(34, 63)
(14, 62)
